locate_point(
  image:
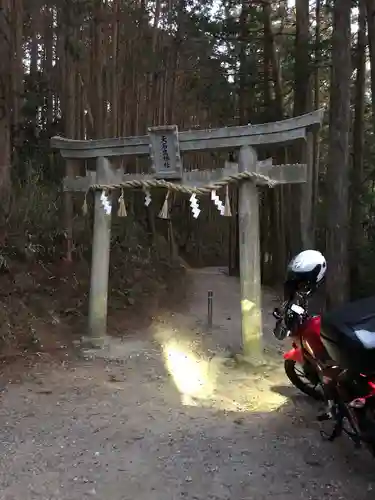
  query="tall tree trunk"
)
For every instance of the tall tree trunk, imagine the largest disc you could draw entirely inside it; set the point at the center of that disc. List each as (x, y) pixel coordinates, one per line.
(98, 60)
(270, 52)
(266, 242)
(60, 67)
(34, 56)
(154, 74)
(356, 209)
(370, 5)
(274, 198)
(302, 93)
(16, 76)
(338, 159)
(243, 90)
(48, 64)
(114, 81)
(316, 143)
(174, 59)
(301, 237)
(267, 57)
(5, 106)
(69, 121)
(17, 65)
(243, 79)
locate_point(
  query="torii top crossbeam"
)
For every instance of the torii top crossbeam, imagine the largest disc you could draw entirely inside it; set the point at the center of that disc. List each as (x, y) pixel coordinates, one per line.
(280, 132)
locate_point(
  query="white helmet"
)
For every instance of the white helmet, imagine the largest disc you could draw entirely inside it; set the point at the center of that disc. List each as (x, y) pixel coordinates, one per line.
(307, 268)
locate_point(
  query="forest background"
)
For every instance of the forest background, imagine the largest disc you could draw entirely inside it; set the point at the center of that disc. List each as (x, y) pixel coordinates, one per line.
(104, 68)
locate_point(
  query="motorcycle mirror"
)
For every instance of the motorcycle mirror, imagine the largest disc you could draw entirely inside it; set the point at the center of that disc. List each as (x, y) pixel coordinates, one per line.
(276, 313)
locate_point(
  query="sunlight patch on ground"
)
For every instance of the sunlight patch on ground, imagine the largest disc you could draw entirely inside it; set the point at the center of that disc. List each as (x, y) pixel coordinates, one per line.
(192, 375)
(211, 382)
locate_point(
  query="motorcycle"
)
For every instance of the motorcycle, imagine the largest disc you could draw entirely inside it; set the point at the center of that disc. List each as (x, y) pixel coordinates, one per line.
(332, 360)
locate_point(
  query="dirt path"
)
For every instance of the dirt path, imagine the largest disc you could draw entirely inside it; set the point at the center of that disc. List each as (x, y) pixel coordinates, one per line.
(165, 417)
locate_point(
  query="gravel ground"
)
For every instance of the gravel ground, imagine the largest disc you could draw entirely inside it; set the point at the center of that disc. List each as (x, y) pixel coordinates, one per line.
(165, 416)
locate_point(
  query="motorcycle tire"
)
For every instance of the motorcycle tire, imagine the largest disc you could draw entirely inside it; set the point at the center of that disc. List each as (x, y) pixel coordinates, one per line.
(366, 423)
(290, 370)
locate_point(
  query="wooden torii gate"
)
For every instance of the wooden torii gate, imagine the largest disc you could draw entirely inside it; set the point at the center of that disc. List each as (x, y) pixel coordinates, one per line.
(164, 145)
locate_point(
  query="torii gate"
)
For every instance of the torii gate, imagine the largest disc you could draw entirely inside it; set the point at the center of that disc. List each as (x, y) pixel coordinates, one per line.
(164, 145)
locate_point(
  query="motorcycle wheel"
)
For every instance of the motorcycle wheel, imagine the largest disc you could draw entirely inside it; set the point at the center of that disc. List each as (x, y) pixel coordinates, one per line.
(366, 424)
(296, 375)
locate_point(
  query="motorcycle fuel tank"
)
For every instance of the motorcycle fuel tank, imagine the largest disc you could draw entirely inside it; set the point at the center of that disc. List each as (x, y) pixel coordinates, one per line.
(348, 334)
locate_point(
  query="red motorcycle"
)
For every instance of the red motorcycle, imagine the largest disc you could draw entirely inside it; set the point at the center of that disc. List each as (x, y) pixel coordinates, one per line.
(333, 356)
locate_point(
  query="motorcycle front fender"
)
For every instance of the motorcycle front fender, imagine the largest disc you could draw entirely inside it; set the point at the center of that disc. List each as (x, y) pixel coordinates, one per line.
(294, 354)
